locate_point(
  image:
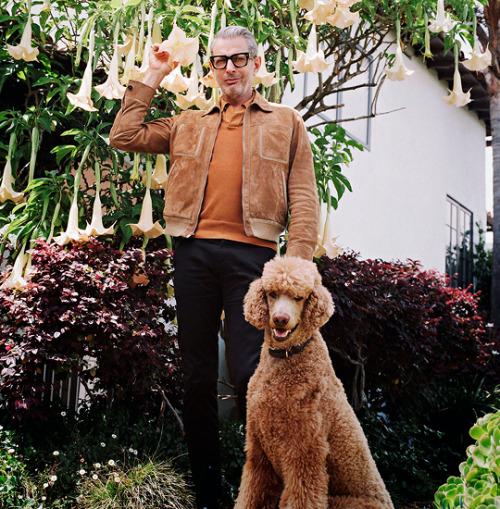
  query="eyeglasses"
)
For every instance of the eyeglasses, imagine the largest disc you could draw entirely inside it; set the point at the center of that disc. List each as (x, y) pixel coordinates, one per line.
(238, 59)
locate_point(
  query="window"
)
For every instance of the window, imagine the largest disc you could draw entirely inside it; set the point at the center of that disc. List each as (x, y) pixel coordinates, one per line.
(459, 247)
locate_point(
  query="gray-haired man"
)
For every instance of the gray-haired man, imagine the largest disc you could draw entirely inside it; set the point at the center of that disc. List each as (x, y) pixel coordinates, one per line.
(239, 173)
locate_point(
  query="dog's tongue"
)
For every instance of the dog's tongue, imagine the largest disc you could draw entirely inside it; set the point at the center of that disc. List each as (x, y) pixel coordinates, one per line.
(281, 333)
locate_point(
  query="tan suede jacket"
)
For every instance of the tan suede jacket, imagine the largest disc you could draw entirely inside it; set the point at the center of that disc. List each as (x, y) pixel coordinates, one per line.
(278, 170)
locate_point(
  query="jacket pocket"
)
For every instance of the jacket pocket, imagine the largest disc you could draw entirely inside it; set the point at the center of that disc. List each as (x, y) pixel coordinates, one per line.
(274, 142)
(188, 140)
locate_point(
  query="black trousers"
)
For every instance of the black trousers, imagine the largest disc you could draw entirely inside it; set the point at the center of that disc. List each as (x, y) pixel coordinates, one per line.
(212, 275)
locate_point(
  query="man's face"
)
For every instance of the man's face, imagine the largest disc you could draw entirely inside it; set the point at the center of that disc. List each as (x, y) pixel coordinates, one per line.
(235, 82)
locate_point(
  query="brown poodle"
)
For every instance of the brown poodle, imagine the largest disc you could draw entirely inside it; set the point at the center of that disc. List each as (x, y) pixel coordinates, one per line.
(304, 445)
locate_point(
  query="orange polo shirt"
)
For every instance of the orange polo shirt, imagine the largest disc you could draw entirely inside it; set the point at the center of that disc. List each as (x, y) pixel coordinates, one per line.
(221, 215)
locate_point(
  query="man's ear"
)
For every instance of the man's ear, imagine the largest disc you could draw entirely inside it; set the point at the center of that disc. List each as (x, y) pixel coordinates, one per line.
(257, 62)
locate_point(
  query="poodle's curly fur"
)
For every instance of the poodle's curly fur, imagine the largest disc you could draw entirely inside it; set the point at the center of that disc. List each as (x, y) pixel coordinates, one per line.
(304, 445)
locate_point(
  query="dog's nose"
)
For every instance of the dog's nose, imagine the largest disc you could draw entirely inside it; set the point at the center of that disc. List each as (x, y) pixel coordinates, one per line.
(281, 319)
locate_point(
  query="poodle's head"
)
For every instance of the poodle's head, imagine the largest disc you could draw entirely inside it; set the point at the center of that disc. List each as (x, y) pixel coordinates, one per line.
(289, 300)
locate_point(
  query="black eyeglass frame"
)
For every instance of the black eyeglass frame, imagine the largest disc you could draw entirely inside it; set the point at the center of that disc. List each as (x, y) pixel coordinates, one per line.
(230, 57)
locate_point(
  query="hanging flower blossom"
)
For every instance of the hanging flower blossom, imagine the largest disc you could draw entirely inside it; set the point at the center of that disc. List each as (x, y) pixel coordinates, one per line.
(126, 46)
(24, 50)
(398, 71)
(209, 80)
(159, 177)
(457, 96)
(15, 280)
(112, 88)
(320, 10)
(427, 39)
(129, 64)
(182, 49)
(342, 17)
(442, 22)
(72, 233)
(6, 190)
(313, 60)
(326, 241)
(139, 73)
(478, 60)
(156, 37)
(193, 96)
(175, 82)
(262, 76)
(82, 98)
(145, 226)
(308, 5)
(96, 227)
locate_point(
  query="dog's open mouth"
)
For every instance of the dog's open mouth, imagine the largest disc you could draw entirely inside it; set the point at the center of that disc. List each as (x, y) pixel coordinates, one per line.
(283, 334)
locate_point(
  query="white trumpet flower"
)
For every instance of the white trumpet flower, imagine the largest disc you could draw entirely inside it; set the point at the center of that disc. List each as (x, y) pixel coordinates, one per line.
(82, 98)
(24, 51)
(15, 280)
(175, 82)
(457, 96)
(145, 226)
(193, 97)
(96, 226)
(478, 60)
(72, 233)
(326, 241)
(112, 88)
(263, 77)
(209, 80)
(6, 190)
(182, 49)
(442, 22)
(398, 71)
(313, 60)
(159, 177)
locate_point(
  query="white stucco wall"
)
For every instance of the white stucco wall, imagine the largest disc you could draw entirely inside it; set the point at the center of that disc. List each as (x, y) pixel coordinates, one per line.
(417, 156)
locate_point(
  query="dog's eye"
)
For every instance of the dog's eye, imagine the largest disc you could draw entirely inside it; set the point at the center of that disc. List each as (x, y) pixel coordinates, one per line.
(298, 298)
(273, 295)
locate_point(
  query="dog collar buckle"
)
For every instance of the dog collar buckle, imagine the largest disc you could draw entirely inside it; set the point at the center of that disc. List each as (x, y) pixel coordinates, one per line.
(285, 353)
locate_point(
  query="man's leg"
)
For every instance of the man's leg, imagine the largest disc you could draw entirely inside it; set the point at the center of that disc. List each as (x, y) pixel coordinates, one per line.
(243, 264)
(199, 306)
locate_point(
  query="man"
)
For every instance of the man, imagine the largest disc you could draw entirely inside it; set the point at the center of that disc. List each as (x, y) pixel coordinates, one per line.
(237, 172)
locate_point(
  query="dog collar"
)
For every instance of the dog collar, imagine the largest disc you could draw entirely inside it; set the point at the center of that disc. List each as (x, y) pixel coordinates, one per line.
(283, 353)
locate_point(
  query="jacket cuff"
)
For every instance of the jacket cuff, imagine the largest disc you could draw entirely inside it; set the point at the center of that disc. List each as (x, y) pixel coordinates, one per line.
(137, 90)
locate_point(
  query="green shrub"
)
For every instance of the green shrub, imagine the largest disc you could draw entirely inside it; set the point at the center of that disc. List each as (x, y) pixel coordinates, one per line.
(232, 439)
(149, 484)
(16, 489)
(478, 486)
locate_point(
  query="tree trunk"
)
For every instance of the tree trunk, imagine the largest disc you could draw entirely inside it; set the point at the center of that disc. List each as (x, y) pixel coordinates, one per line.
(494, 89)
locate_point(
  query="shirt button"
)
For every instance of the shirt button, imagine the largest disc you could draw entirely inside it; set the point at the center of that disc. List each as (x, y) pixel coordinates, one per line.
(130, 87)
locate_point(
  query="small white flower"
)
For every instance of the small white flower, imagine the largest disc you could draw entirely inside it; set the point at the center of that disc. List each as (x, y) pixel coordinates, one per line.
(56, 453)
(113, 436)
(103, 444)
(11, 451)
(95, 477)
(45, 485)
(97, 465)
(44, 498)
(53, 478)
(63, 414)
(111, 463)
(82, 472)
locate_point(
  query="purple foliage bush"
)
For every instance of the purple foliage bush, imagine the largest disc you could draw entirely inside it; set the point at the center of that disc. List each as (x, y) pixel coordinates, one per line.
(398, 329)
(96, 311)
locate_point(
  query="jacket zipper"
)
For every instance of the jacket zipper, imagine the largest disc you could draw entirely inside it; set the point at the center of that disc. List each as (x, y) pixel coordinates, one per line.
(206, 180)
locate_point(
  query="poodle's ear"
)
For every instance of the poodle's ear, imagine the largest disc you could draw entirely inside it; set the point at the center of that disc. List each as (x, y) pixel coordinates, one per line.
(318, 308)
(255, 305)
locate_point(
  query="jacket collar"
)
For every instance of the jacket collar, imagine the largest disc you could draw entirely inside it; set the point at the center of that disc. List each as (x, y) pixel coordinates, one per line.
(258, 101)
